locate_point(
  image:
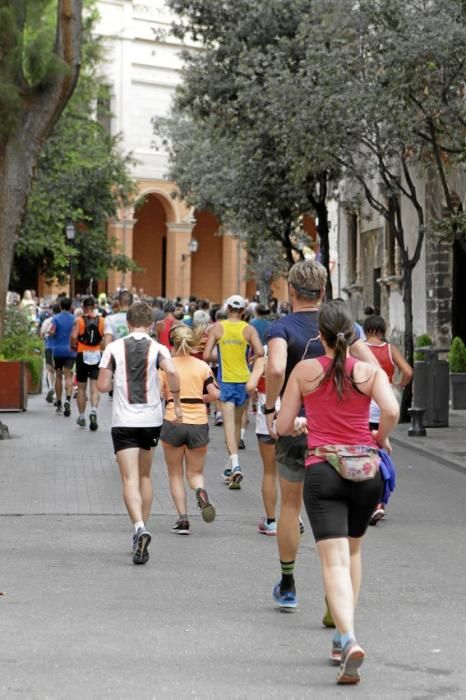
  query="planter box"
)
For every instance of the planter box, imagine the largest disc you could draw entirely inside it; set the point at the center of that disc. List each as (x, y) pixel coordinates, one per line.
(458, 391)
(13, 386)
(31, 387)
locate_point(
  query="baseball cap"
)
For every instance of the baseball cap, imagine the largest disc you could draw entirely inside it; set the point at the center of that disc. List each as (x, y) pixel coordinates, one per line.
(236, 302)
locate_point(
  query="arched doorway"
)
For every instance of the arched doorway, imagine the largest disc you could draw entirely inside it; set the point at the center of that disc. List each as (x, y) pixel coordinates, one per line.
(207, 262)
(150, 246)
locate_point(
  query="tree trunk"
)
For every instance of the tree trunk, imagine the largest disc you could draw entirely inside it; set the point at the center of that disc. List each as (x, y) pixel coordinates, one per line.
(323, 231)
(19, 152)
(406, 399)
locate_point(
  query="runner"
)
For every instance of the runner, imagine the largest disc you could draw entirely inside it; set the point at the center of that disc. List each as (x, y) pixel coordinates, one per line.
(88, 334)
(63, 356)
(185, 444)
(256, 385)
(116, 325)
(231, 338)
(130, 365)
(390, 359)
(292, 338)
(49, 341)
(336, 390)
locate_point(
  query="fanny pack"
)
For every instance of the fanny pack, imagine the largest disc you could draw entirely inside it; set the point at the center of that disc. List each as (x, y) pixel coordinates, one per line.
(352, 462)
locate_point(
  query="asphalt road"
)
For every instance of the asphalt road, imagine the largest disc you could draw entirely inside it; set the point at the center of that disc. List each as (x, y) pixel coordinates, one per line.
(79, 620)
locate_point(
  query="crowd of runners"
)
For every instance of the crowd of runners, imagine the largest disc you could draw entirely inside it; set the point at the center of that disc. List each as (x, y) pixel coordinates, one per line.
(319, 386)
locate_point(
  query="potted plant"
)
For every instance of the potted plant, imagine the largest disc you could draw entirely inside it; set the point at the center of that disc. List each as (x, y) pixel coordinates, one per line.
(21, 361)
(457, 363)
(422, 341)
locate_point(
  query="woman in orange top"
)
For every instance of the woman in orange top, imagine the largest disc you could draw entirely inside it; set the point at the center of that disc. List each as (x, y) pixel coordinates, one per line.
(186, 443)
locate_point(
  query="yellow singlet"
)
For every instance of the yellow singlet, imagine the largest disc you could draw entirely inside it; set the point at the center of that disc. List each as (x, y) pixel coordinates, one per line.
(232, 349)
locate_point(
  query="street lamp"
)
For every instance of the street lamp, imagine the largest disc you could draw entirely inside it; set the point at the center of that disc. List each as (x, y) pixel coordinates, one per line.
(70, 232)
(193, 247)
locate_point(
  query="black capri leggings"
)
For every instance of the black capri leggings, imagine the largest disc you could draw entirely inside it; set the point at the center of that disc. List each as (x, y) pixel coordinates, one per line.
(338, 507)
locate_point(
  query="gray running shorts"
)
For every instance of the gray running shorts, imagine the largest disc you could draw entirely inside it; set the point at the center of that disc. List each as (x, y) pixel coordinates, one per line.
(187, 434)
(289, 453)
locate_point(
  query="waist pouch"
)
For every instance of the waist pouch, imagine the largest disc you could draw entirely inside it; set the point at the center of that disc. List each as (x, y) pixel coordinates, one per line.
(352, 462)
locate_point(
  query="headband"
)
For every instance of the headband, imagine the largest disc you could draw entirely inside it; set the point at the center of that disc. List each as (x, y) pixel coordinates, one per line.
(305, 292)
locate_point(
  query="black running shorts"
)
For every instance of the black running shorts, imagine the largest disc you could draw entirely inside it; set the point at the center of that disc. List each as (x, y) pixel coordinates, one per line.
(63, 362)
(338, 507)
(185, 434)
(142, 438)
(84, 371)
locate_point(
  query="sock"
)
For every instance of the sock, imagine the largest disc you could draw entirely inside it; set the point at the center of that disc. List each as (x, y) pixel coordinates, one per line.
(234, 461)
(270, 520)
(243, 433)
(93, 409)
(345, 638)
(287, 582)
(82, 415)
(337, 636)
(68, 398)
(139, 524)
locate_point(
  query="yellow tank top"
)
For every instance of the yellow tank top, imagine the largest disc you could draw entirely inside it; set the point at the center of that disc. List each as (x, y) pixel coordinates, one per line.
(232, 353)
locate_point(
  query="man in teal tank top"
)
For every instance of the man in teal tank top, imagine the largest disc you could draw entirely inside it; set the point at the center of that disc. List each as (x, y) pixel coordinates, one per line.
(228, 343)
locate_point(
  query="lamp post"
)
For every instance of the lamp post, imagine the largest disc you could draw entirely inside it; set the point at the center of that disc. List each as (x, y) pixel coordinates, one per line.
(193, 247)
(70, 232)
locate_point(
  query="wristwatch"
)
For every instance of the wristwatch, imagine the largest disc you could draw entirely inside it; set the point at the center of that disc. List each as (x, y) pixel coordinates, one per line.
(267, 411)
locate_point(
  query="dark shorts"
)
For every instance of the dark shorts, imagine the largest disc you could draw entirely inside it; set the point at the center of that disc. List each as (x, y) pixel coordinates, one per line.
(49, 357)
(185, 434)
(289, 453)
(63, 362)
(338, 507)
(265, 438)
(142, 438)
(85, 372)
(233, 392)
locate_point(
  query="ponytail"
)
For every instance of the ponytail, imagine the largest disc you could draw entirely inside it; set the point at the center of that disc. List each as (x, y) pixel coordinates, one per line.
(336, 326)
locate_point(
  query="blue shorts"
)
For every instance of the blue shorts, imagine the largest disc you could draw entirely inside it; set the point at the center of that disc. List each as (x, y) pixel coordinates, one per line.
(232, 392)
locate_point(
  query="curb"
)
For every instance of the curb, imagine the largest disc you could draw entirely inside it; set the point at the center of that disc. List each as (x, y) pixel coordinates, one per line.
(432, 454)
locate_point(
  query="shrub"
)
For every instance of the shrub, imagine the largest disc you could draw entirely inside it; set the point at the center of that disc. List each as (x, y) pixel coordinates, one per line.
(19, 342)
(421, 342)
(457, 356)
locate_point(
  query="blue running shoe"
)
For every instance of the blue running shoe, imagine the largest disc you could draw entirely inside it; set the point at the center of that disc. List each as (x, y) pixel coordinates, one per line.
(226, 474)
(286, 601)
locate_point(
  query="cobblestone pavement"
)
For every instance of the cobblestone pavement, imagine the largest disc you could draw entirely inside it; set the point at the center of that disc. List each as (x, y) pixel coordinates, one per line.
(78, 620)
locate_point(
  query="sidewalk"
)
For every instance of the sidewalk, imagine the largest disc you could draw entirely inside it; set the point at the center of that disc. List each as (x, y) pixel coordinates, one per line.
(445, 445)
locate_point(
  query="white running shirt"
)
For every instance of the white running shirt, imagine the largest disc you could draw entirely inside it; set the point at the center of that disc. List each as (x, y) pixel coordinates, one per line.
(136, 392)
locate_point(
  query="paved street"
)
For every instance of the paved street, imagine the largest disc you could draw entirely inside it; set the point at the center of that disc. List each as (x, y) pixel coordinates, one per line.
(79, 620)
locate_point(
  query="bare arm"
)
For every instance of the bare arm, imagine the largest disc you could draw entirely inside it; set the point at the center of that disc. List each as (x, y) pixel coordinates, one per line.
(108, 338)
(213, 393)
(256, 374)
(404, 367)
(74, 334)
(215, 333)
(290, 405)
(360, 351)
(274, 375)
(252, 337)
(105, 380)
(173, 381)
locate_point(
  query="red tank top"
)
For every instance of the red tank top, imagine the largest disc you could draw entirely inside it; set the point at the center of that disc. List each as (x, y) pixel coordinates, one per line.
(165, 332)
(384, 357)
(334, 422)
(261, 385)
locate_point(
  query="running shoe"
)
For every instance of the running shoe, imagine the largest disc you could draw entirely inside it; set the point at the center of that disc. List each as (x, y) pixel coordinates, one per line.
(327, 619)
(335, 653)
(236, 478)
(378, 514)
(81, 422)
(352, 657)
(141, 552)
(226, 475)
(241, 444)
(93, 422)
(286, 601)
(49, 397)
(207, 509)
(218, 419)
(301, 526)
(59, 409)
(181, 527)
(67, 411)
(267, 528)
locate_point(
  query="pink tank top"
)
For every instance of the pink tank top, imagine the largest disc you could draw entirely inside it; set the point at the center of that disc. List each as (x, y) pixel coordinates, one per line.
(331, 421)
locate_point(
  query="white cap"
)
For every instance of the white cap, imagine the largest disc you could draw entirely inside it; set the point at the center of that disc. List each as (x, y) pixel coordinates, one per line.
(236, 302)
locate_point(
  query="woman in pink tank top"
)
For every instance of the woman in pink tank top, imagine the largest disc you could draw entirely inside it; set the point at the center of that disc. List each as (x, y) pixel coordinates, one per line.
(336, 391)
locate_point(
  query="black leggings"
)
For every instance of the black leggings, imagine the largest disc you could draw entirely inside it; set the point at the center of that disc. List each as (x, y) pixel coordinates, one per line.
(338, 507)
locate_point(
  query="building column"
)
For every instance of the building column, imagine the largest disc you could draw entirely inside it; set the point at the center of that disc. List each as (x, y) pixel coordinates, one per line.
(234, 266)
(122, 231)
(179, 259)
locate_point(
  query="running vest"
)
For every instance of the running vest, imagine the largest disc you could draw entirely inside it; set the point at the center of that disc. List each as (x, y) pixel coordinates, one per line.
(232, 349)
(384, 356)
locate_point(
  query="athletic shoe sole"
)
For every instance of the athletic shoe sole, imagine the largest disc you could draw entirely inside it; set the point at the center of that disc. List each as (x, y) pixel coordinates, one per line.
(93, 425)
(378, 515)
(235, 481)
(284, 605)
(67, 411)
(141, 553)
(349, 669)
(208, 512)
(181, 532)
(267, 532)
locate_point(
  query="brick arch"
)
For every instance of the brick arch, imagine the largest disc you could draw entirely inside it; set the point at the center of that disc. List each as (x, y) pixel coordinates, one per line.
(150, 244)
(164, 199)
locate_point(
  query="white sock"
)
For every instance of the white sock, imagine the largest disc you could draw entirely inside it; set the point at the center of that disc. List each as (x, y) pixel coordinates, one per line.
(93, 409)
(138, 525)
(234, 461)
(243, 433)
